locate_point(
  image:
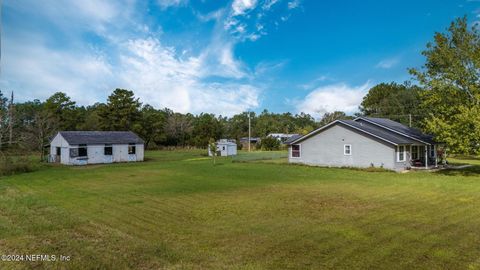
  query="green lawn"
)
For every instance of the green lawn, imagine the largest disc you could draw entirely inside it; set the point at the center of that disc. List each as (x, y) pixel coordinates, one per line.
(178, 211)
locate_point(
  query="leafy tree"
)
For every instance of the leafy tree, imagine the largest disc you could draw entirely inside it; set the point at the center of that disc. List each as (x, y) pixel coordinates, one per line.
(270, 144)
(121, 112)
(212, 146)
(399, 102)
(205, 126)
(90, 117)
(178, 128)
(151, 124)
(330, 117)
(60, 107)
(451, 79)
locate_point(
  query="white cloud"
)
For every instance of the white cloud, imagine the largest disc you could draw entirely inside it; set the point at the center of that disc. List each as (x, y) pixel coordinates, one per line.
(293, 4)
(335, 97)
(131, 55)
(388, 63)
(162, 79)
(312, 84)
(33, 70)
(240, 7)
(164, 4)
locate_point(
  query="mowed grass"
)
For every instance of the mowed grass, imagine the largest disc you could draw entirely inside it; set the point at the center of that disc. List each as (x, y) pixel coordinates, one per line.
(178, 211)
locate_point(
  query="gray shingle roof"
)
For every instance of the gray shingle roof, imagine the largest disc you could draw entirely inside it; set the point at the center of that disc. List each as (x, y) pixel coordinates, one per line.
(100, 137)
(412, 132)
(379, 132)
(293, 138)
(388, 131)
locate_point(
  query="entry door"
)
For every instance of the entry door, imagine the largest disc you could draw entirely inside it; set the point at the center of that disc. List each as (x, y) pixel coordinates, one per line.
(58, 155)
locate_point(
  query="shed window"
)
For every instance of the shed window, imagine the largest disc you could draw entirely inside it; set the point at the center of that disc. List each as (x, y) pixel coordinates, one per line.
(82, 150)
(59, 151)
(347, 149)
(108, 150)
(73, 152)
(131, 149)
(296, 150)
(401, 153)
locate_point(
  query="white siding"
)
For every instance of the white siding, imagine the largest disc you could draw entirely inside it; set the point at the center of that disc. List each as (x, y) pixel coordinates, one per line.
(327, 149)
(95, 153)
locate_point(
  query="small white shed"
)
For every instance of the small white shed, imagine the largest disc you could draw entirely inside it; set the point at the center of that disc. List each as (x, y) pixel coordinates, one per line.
(93, 147)
(225, 148)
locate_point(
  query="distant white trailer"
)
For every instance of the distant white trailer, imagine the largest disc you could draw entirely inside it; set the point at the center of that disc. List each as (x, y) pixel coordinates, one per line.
(225, 148)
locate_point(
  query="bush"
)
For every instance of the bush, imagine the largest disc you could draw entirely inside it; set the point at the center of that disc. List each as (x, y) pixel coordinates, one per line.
(15, 164)
(269, 144)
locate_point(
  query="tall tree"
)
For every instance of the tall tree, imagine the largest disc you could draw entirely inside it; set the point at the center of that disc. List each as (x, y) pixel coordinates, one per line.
(60, 107)
(451, 78)
(121, 112)
(3, 120)
(151, 125)
(11, 113)
(330, 117)
(399, 102)
(205, 127)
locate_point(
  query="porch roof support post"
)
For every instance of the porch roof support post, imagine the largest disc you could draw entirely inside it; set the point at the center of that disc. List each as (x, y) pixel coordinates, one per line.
(426, 156)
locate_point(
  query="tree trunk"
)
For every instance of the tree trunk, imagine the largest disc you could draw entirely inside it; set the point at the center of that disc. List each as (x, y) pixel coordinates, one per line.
(10, 121)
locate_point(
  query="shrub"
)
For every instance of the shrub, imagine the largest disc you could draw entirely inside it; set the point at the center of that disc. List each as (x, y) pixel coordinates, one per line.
(269, 144)
(15, 164)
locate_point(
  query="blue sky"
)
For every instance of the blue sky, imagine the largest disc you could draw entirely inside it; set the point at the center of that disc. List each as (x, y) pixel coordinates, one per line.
(223, 57)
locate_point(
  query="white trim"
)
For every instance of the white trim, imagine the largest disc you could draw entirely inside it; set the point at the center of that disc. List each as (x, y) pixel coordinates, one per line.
(339, 121)
(398, 132)
(404, 153)
(345, 148)
(299, 150)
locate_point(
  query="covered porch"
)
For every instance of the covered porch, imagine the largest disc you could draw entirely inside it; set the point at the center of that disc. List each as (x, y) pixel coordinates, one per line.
(423, 156)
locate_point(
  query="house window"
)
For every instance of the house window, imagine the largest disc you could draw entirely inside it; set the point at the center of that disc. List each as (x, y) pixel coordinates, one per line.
(82, 150)
(414, 152)
(296, 150)
(223, 147)
(432, 151)
(401, 153)
(131, 149)
(347, 149)
(59, 151)
(108, 150)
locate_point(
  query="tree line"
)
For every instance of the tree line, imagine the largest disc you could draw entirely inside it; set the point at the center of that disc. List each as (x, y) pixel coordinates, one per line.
(443, 99)
(35, 122)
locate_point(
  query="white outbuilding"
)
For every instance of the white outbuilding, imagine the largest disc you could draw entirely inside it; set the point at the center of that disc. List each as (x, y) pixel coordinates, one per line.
(94, 147)
(225, 148)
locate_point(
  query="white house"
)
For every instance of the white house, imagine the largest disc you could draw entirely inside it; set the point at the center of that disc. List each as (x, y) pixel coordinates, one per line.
(225, 148)
(365, 142)
(94, 147)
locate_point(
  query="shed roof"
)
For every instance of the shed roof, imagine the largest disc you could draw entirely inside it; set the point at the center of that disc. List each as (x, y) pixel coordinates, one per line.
(100, 137)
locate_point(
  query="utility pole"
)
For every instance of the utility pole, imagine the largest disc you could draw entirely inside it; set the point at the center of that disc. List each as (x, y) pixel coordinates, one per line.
(249, 132)
(10, 120)
(410, 119)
